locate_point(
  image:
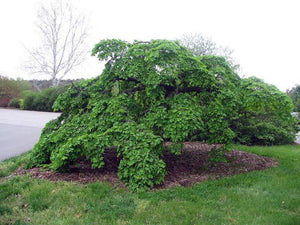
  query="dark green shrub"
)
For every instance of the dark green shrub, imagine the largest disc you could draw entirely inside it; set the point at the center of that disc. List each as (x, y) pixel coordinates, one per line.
(42, 101)
(29, 97)
(15, 103)
(265, 115)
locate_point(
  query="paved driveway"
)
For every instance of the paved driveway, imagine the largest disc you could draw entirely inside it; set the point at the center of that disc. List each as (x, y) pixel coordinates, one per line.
(20, 130)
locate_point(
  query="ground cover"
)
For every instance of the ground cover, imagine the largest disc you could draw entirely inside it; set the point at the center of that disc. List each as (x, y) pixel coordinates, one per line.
(270, 196)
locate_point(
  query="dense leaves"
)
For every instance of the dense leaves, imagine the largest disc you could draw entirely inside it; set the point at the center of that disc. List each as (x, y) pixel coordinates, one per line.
(265, 115)
(148, 93)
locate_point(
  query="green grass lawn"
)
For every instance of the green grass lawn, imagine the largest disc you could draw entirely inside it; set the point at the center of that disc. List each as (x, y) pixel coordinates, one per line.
(260, 197)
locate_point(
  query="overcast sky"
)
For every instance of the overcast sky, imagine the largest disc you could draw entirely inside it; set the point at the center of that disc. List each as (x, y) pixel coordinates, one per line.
(264, 34)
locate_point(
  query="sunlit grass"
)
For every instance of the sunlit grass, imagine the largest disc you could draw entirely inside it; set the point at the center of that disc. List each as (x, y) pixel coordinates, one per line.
(260, 197)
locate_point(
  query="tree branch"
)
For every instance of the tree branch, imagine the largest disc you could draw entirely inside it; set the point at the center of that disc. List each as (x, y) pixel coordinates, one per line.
(133, 90)
(133, 79)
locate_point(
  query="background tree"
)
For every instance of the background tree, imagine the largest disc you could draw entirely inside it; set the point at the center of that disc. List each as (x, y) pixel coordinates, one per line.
(63, 33)
(10, 88)
(294, 93)
(200, 45)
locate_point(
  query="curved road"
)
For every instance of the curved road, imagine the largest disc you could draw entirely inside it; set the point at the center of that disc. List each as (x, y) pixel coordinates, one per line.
(20, 130)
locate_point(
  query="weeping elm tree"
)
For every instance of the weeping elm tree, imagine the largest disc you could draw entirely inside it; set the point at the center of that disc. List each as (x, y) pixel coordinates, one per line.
(148, 93)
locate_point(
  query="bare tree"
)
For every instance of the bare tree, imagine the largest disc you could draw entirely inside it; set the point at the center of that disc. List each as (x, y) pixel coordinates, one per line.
(201, 45)
(63, 35)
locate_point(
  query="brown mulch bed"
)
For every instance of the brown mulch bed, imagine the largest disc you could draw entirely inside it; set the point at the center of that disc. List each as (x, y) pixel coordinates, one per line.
(192, 166)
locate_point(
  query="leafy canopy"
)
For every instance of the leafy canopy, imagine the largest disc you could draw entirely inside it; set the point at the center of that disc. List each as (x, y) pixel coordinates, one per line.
(149, 93)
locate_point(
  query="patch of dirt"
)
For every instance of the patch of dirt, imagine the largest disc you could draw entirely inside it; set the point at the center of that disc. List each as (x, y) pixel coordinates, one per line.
(192, 166)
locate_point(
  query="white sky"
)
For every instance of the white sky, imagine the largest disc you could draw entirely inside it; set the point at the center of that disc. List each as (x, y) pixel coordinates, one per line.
(265, 34)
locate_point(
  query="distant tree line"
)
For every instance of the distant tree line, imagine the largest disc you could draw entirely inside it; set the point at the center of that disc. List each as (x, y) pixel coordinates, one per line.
(294, 93)
(30, 94)
(11, 88)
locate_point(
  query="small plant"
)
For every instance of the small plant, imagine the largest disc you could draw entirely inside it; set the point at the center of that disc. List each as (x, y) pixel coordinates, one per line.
(216, 156)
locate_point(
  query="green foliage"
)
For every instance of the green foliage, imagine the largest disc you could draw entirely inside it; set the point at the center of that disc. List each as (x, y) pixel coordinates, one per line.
(216, 156)
(21, 101)
(42, 101)
(11, 88)
(265, 115)
(29, 97)
(15, 102)
(149, 93)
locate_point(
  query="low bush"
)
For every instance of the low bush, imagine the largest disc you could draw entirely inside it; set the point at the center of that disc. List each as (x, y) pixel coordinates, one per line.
(15, 103)
(42, 101)
(29, 97)
(265, 115)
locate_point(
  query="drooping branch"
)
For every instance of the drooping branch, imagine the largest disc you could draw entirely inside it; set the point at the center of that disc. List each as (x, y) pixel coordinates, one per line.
(130, 79)
(170, 89)
(135, 89)
(190, 89)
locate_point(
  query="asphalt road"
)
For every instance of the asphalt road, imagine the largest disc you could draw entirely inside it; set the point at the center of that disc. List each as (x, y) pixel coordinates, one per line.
(20, 130)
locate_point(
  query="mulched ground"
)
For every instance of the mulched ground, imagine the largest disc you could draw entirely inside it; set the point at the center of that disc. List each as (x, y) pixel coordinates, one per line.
(192, 166)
